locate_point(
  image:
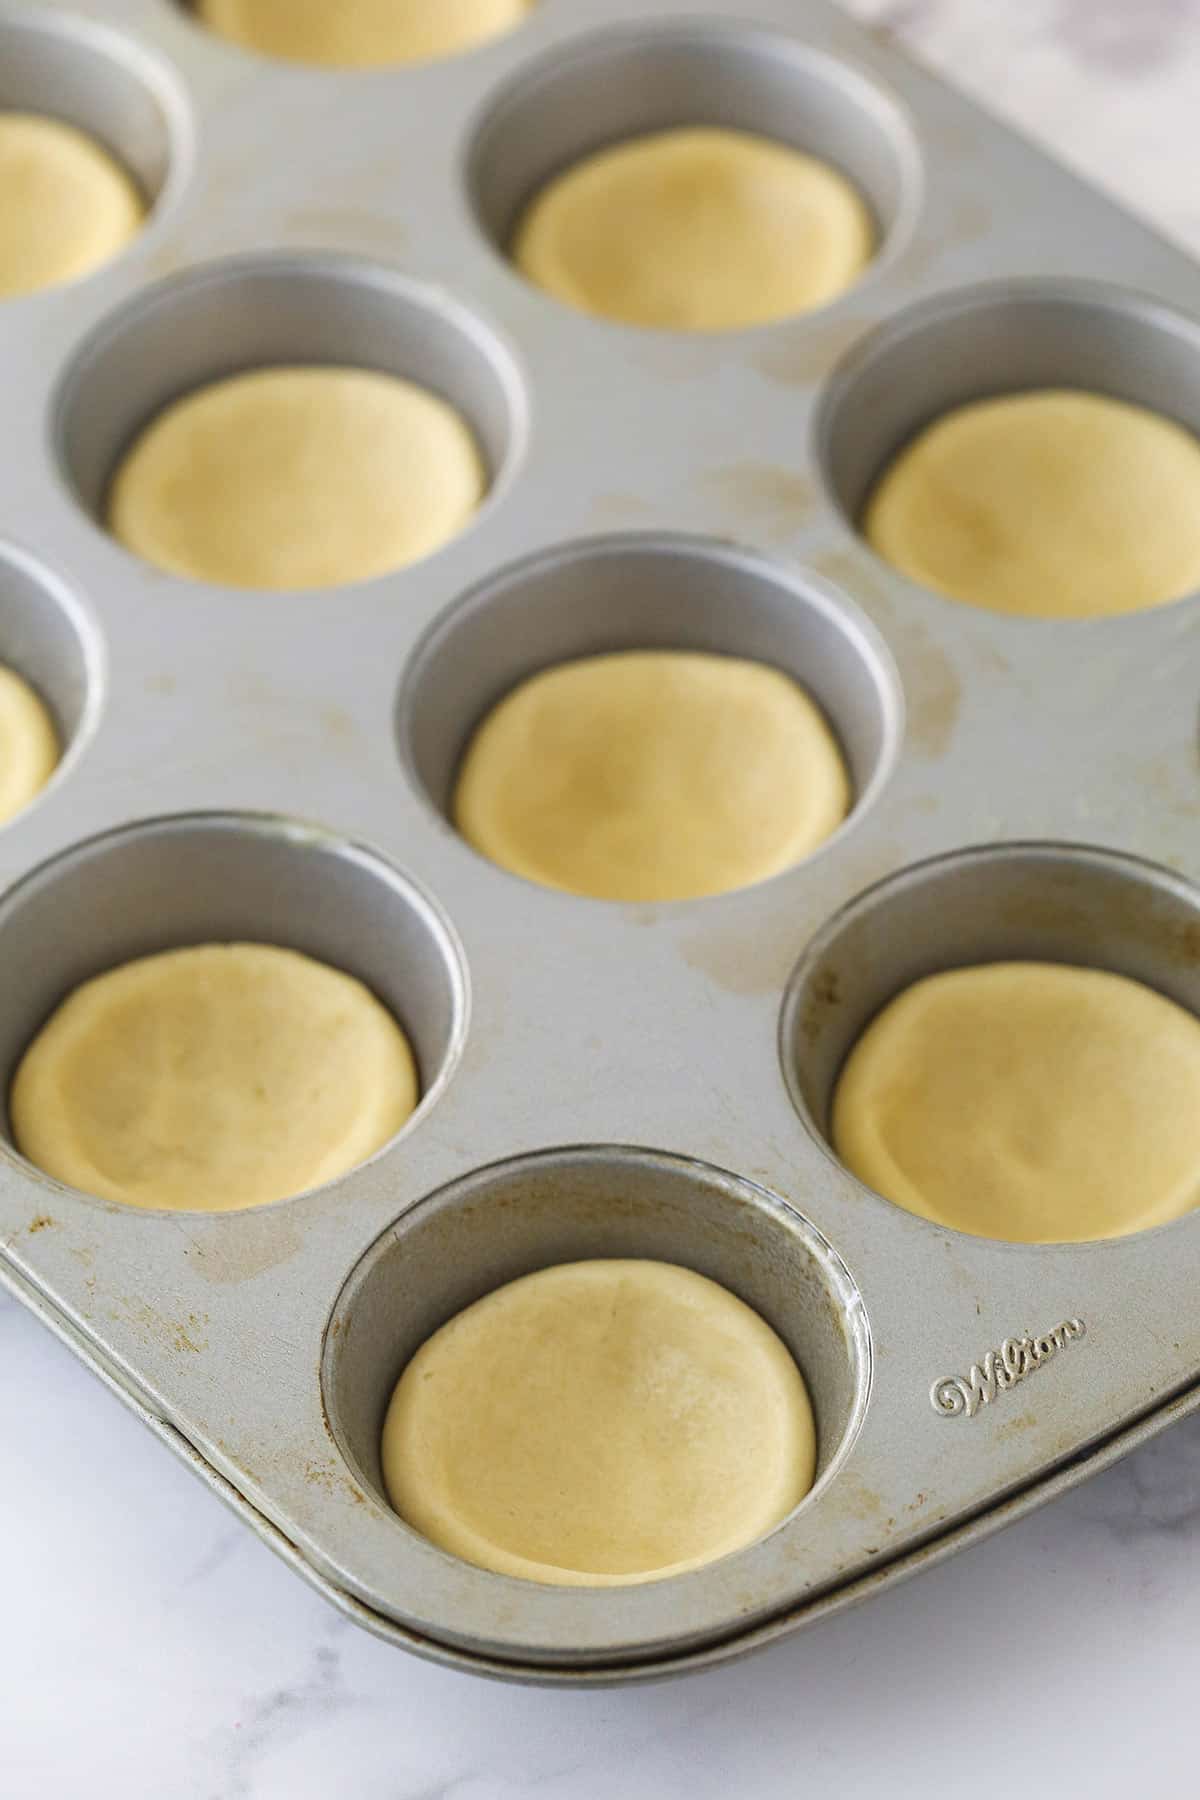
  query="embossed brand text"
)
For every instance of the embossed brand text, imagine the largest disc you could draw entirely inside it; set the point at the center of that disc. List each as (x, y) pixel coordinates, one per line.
(1000, 1369)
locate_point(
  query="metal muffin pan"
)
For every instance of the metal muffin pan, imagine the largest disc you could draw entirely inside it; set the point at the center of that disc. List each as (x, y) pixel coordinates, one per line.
(599, 1079)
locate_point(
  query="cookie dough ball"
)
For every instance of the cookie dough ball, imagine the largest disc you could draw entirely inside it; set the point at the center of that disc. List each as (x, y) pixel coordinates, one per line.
(66, 206)
(1034, 1102)
(600, 1423)
(652, 775)
(295, 478)
(29, 751)
(361, 34)
(700, 229)
(212, 1079)
(1054, 504)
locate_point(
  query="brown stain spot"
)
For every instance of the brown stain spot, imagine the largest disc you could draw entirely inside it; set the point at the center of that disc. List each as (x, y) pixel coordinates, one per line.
(860, 1501)
(961, 1276)
(772, 502)
(808, 353)
(337, 727)
(744, 962)
(247, 687)
(824, 996)
(43, 1222)
(618, 508)
(970, 219)
(160, 684)
(247, 1249)
(992, 661)
(331, 1479)
(932, 689)
(1170, 787)
(168, 259)
(1092, 931)
(346, 226)
(856, 572)
(478, 1052)
(921, 1500)
(184, 1336)
(1017, 1427)
(321, 1475)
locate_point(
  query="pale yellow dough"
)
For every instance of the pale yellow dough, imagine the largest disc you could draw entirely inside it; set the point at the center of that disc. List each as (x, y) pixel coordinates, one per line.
(29, 750)
(361, 34)
(295, 478)
(1054, 504)
(652, 775)
(700, 229)
(600, 1423)
(66, 206)
(1034, 1102)
(212, 1079)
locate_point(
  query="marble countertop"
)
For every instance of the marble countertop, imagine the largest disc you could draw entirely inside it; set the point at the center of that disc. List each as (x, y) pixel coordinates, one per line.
(151, 1648)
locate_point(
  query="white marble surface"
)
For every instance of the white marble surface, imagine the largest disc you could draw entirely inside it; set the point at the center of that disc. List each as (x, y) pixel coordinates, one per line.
(150, 1648)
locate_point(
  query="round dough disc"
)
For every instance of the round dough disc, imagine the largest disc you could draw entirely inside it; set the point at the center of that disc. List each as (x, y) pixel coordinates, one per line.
(652, 775)
(700, 229)
(293, 478)
(1033, 1102)
(361, 34)
(1054, 504)
(600, 1423)
(28, 744)
(66, 206)
(212, 1079)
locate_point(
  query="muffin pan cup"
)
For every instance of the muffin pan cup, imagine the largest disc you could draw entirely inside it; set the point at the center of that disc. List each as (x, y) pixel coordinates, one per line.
(600, 1079)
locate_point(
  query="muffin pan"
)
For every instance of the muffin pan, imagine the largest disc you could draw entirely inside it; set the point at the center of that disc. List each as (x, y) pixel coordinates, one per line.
(598, 1079)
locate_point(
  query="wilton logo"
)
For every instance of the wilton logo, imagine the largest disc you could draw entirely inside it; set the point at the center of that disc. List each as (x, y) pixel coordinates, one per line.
(1000, 1369)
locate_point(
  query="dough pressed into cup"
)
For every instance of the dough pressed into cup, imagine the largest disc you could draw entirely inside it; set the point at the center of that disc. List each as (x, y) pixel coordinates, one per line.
(297, 478)
(212, 1079)
(29, 748)
(696, 229)
(652, 775)
(598, 1424)
(1054, 504)
(66, 205)
(1034, 1102)
(361, 34)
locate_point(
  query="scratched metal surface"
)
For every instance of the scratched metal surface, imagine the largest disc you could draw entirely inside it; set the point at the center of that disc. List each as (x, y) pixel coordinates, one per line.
(719, 473)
